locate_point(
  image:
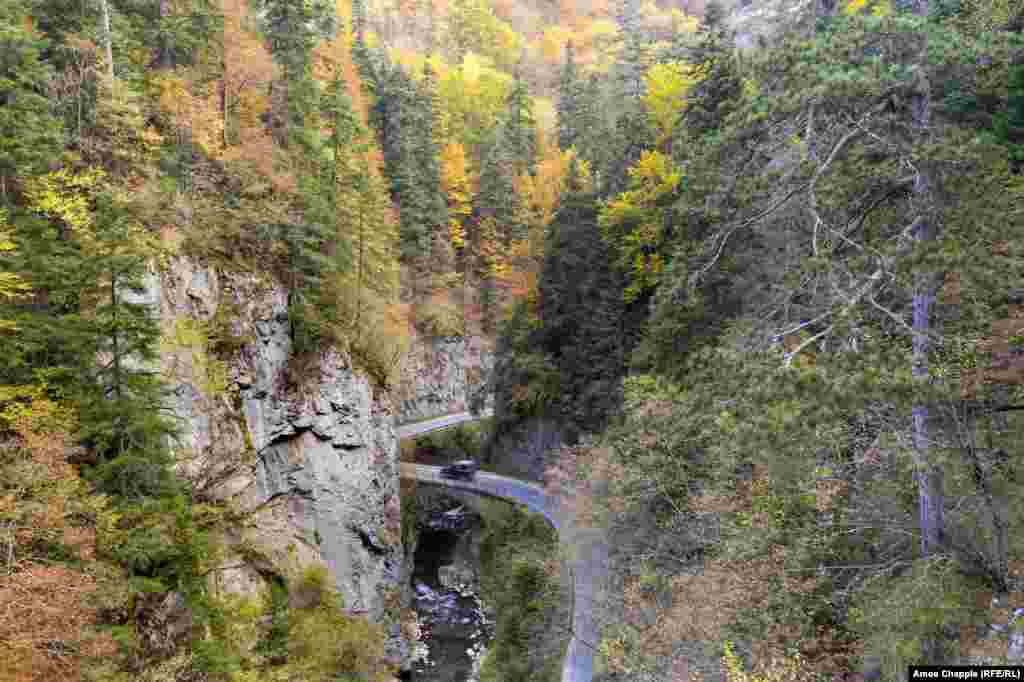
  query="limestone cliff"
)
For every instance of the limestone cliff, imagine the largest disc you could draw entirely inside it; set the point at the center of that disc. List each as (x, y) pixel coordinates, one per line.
(443, 376)
(309, 456)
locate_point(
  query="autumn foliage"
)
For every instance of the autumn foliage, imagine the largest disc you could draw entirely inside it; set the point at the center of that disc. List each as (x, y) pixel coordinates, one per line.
(49, 610)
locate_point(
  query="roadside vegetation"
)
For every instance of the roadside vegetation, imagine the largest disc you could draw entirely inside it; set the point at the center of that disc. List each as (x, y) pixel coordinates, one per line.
(464, 441)
(802, 396)
(520, 582)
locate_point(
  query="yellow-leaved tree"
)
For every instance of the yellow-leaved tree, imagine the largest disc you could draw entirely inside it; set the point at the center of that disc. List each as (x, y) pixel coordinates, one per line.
(458, 190)
(792, 669)
(878, 8)
(12, 286)
(668, 85)
(634, 221)
(472, 96)
(539, 196)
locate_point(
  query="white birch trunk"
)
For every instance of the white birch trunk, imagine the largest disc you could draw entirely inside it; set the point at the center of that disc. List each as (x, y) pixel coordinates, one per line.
(108, 38)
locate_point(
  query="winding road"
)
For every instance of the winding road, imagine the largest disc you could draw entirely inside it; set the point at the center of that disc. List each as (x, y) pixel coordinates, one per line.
(589, 563)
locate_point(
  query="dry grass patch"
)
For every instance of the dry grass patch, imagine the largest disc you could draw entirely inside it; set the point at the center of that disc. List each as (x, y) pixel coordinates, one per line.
(703, 605)
(581, 477)
(48, 616)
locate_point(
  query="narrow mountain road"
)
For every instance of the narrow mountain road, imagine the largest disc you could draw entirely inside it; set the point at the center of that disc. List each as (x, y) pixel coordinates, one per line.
(589, 560)
(449, 420)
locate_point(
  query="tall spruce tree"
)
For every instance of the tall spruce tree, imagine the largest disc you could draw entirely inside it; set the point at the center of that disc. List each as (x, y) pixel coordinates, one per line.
(520, 127)
(30, 132)
(123, 407)
(580, 308)
(404, 115)
(367, 61)
(362, 206)
(568, 99)
(496, 198)
(592, 130)
(292, 30)
(715, 96)
(320, 247)
(630, 66)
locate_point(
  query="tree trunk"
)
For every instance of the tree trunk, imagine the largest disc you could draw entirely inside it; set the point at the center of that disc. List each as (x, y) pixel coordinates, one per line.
(929, 477)
(119, 434)
(359, 273)
(108, 39)
(164, 51)
(224, 102)
(929, 474)
(996, 561)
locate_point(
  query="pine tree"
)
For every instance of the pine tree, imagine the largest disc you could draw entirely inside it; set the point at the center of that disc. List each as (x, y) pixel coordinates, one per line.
(367, 62)
(180, 32)
(630, 65)
(320, 247)
(591, 128)
(580, 309)
(406, 119)
(123, 411)
(520, 128)
(428, 86)
(623, 147)
(720, 88)
(364, 215)
(317, 252)
(293, 30)
(496, 198)
(568, 100)
(30, 133)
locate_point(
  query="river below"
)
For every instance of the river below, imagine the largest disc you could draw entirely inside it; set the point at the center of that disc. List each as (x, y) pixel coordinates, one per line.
(455, 626)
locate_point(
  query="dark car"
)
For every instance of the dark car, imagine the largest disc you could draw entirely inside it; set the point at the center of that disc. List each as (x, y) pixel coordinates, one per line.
(465, 469)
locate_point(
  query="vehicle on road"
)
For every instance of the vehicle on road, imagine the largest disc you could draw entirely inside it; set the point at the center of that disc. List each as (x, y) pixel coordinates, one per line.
(465, 469)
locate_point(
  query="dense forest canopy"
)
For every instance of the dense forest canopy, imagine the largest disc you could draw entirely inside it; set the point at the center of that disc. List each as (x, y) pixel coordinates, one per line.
(766, 258)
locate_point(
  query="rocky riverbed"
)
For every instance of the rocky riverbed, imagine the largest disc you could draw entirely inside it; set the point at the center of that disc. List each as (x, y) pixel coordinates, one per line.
(453, 621)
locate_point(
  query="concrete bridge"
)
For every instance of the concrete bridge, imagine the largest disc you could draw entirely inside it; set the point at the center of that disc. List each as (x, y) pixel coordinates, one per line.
(588, 563)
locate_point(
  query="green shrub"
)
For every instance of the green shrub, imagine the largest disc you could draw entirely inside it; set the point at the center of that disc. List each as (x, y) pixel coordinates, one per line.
(214, 656)
(315, 577)
(223, 340)
(521, 592)
(274, 645)
(440, 317)
(896, 616)
(464, 440)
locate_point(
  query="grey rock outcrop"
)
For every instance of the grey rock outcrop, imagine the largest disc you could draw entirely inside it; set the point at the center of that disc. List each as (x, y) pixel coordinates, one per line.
(444, 376)
(309, 454)
(1014, 633)
(458, 576)
(756, 24)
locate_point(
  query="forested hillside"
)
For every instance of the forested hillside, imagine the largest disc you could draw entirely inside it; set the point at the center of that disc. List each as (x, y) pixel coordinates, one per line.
(760, 265)
(386, 192)
(813, 466)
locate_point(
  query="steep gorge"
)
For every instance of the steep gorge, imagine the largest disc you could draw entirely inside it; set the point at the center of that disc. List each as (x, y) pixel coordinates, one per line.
(310, 461)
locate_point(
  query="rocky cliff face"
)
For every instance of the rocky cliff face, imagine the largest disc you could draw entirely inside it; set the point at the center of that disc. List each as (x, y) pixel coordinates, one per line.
(308, 454)
(756, 23)
(444, 376)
